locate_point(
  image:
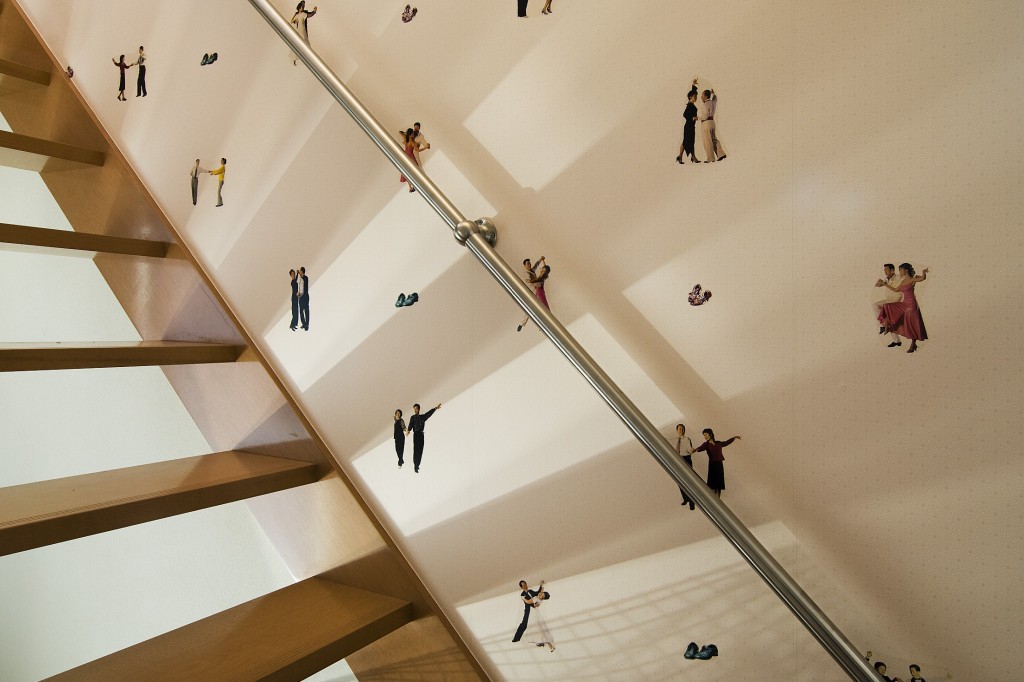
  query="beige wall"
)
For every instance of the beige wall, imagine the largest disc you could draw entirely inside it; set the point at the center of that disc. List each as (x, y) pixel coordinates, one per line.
(856, 135)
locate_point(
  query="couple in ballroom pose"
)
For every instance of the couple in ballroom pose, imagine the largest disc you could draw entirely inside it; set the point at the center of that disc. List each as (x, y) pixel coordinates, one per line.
(300, 299)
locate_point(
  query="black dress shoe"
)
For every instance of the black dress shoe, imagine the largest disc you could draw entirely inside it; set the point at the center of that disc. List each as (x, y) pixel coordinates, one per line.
(707, 652)
(401, 301)
(691, 651)
(881, 330)
(206, 60)
(894, 344)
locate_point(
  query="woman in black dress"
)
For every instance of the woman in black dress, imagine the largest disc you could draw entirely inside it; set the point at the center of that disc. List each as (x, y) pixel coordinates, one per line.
(716, 468)
(400, 434)
(124, 67)
(689, 130)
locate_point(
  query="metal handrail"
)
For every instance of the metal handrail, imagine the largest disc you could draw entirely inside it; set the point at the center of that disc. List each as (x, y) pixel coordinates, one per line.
(479, 237)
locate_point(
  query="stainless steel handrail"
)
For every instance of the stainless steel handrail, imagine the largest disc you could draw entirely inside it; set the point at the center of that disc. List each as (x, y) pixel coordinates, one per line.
(479, 237)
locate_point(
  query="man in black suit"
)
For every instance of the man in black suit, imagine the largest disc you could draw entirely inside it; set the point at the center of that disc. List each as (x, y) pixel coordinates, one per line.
(303, 286)
(416, 424)
(295, 301)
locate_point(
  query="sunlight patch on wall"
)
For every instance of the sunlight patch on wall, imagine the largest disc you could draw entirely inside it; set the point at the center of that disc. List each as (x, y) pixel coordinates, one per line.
(650, 607)
(532, 418)
(403, 242)
(568, 112)
(732, 340)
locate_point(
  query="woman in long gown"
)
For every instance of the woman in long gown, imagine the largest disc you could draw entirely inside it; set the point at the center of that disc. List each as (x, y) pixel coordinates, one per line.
(299, 20)
(546, 639)
(689, 128)
(904, 317)
(410, 146)
(716, 466)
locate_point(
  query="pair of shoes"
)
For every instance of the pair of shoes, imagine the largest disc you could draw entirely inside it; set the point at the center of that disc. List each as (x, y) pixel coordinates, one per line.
(706, 652)
(404, 300)
(691, 651)
(208, 59)
(894, 344)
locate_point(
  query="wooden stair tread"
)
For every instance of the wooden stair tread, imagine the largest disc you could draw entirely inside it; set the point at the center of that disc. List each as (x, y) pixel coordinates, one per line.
(24, 72)
(24, 357)
(63, 240)
(38, 514)
(36, 154)
(288, 634)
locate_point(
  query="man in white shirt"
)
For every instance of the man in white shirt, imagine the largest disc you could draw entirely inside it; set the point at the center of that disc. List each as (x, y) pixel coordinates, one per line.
(712, 147)
(194, 174)
(893, 279)
(421, 143)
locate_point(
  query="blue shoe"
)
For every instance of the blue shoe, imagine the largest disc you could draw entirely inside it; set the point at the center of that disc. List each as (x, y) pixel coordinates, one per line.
(411, 298)
(691, 651)
(401, 301)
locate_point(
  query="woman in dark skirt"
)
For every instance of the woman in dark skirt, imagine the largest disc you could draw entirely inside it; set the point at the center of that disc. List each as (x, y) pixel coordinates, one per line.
(120, 87)
(716, 470)
(400, 434)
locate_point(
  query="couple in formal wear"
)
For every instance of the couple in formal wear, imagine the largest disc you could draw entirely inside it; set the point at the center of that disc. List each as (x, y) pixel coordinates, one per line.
(417, 423)
(217, 172)
(716, 459)
(533, 600)
(898, 313)
(705, 113)
(300, 299)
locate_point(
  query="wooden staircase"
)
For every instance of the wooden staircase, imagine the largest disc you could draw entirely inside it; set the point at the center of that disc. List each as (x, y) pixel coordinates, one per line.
(384, 618)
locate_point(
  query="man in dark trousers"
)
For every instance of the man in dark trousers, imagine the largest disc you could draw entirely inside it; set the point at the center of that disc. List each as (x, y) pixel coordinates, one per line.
(416, 423)
(527, 594)
(303, 299)
(522, 7)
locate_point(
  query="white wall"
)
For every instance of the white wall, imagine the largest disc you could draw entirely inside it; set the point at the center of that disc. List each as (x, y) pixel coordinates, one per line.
(856, 135)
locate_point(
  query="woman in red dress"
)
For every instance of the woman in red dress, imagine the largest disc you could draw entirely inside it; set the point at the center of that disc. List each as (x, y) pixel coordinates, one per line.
(411, 147)
(904, 317)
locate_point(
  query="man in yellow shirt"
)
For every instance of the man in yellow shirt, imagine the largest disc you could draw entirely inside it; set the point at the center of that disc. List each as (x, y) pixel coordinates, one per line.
(219, 172)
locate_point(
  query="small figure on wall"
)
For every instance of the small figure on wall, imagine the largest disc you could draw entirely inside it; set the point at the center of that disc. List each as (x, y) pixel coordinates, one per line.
(417, 422)
(539, 599)
(219, 173)
(894, 281)
(300, 20)
(194, 181)
(716, 460)
(400, 433)
(294, 299)
(303, 290)
(713, 149)
(697, 297)
(904, 317)
(689, 126)
(140, 83)
(527, 596)
(684, 448)
(408, 14)
(537, 278)
(70, 72)
(119, 63)
(412, 150)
